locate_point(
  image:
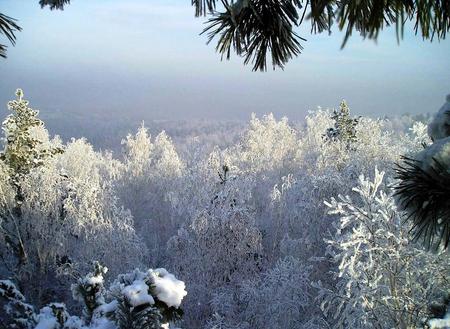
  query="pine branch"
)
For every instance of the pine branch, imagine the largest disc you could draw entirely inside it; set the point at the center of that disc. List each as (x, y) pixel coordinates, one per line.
(8, 27)
(425, 197)
(54, 4)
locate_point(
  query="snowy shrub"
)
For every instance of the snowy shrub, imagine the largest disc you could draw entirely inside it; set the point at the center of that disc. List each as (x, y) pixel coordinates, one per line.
(138, 300)
(279, 298)
(383, 280)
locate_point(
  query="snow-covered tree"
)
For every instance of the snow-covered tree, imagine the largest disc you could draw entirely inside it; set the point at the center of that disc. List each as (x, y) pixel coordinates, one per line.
(382, 279)
(62, 211)
(218, 247)
(147, 179)
(22, 150)
(26, 147)
(344, 128)
(267, 144)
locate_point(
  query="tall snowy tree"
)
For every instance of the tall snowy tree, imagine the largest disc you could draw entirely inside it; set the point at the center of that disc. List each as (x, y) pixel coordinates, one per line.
(382, 279)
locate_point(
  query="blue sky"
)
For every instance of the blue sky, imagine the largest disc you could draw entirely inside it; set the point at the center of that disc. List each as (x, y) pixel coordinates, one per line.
(146, 56)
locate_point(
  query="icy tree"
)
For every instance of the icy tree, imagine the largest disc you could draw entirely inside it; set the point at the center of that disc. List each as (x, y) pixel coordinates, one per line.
(147, 179)
(57, 210)
(96, 220)
(22, 153)
(383, 280)
(267, 144)
(218, 247)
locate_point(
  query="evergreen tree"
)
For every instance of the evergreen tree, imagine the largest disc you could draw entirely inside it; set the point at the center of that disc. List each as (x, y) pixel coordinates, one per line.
(23, 151)
(344, 128)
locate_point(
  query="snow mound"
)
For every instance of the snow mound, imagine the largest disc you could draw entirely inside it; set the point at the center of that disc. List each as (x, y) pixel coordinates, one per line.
(137, 293)
(438, 152)
(440, 323)
(167, 288)
(440, 126)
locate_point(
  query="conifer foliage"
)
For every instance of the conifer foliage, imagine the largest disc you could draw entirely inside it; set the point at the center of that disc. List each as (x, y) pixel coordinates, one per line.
(137, 300)
(344, 128)
(423, 190)
(23, 151)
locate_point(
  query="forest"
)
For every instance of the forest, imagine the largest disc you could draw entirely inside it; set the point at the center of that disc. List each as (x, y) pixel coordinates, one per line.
(283, 226)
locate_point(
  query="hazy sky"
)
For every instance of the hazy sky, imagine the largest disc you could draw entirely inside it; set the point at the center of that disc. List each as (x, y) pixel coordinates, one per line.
(146, 56)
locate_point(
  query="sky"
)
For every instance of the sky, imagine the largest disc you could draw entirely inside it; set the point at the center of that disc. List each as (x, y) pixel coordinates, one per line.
(146, 58)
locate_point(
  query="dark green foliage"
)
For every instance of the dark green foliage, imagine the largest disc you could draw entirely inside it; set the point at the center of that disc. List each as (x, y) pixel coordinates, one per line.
(59, 312)
(54, 4)
(344, 129)
(7, 27)
(425, 196)
(440, 308)
(254, 27)
(141, 317)
(20, 312)
(203, 6)
(257, 29)
(243, 25)
(91, 291)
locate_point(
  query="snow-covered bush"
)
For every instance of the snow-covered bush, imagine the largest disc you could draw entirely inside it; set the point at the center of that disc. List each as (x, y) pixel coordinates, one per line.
(138, 300)
(279, 298)
(383, 280)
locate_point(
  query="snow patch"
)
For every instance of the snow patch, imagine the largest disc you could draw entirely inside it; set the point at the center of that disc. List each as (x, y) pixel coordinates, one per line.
(439, 128)
(439, 152)
(440, 323)
(137, 293)
(167, 288)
